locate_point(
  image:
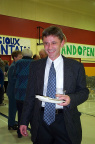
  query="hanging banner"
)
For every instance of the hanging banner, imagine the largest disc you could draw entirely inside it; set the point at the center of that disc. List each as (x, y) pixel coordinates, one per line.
(8, 44)
(78, 50)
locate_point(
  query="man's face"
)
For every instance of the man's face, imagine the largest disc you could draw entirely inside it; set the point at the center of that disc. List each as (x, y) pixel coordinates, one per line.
(52, 45)
(18, 57)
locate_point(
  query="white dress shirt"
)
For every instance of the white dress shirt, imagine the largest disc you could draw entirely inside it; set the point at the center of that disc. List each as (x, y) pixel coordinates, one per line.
(58, 65)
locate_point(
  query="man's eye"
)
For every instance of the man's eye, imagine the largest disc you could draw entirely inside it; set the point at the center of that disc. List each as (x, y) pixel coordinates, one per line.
(54, 43)
(45, 43)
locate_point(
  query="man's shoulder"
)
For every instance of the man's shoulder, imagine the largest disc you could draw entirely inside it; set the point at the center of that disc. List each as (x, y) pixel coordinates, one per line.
(21, 61)
(12, 66)
(71, 61)
(37, 62)
(73, 64)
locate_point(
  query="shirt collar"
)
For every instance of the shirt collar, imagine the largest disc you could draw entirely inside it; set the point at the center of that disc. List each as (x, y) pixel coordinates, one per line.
(56, 61)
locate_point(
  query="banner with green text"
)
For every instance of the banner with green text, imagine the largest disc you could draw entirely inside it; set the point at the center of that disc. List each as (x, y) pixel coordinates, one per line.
(78, 50)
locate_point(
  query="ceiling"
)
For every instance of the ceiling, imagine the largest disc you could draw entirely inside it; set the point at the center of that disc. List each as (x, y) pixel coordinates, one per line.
(86, 7)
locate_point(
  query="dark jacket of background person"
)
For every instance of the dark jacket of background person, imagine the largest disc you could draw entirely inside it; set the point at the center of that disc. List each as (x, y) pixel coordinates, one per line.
(75, 86)
(6, 75)
(11, 80)
(6, 67)
(21, 73)
(1, 78)
(1, 85)
(11, 97)
(2, 65)
(16, 55)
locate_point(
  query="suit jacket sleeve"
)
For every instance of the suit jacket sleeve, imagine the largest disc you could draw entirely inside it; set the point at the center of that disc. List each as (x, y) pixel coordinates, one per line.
(30, 97)
(80, 93)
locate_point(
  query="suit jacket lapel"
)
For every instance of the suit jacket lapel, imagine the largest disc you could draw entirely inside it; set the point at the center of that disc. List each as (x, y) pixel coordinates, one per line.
(40, 76)
(66, 74)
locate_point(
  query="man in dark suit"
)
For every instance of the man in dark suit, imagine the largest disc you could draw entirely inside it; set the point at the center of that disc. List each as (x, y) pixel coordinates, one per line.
(70, 76)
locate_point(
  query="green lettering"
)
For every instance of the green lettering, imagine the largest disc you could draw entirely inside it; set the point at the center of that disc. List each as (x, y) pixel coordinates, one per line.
(79, 50)
(84, 49)
(74, 50)
(92, 51)
(63, 51)
(88, 51)
(69, 49)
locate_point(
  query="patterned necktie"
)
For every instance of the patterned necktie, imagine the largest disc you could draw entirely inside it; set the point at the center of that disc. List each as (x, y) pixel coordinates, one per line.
(49, 111)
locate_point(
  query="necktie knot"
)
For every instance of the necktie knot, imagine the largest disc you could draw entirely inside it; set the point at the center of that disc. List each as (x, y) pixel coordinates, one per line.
(52, 67)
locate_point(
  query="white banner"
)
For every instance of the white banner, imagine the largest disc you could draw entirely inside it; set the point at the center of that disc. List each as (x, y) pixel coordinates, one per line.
(78, 50)
(8, 44)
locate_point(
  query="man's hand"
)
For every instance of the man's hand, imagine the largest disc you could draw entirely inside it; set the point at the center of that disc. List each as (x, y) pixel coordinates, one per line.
(66, 98)
(23, 130)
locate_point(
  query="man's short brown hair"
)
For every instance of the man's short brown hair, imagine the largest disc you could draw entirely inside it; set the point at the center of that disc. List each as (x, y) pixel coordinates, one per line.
(55, 31)
(16, 53)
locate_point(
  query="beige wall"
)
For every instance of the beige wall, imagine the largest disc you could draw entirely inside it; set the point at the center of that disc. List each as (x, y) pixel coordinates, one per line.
(34, 10)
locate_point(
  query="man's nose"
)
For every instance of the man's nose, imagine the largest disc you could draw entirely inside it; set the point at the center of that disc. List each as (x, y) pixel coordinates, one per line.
(50, 46)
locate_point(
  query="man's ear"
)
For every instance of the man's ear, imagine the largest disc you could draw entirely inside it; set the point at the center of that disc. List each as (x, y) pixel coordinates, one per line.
(62, 43)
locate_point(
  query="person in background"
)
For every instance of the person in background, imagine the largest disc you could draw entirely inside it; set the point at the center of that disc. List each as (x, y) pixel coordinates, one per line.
(54, 123)
(21, 72)
(42, 53)
(6, 65)
(16, 55)
(6, 75)
(1, 87)
(36, 57)
(2, 66)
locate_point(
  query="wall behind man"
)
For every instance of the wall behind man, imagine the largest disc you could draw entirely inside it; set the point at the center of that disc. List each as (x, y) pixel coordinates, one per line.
(35, 10)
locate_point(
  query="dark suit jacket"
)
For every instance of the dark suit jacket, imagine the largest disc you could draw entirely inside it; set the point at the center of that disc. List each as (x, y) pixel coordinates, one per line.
(75, 86)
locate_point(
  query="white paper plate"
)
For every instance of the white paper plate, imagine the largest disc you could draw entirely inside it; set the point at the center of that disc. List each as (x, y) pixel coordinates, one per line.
(48, 99)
